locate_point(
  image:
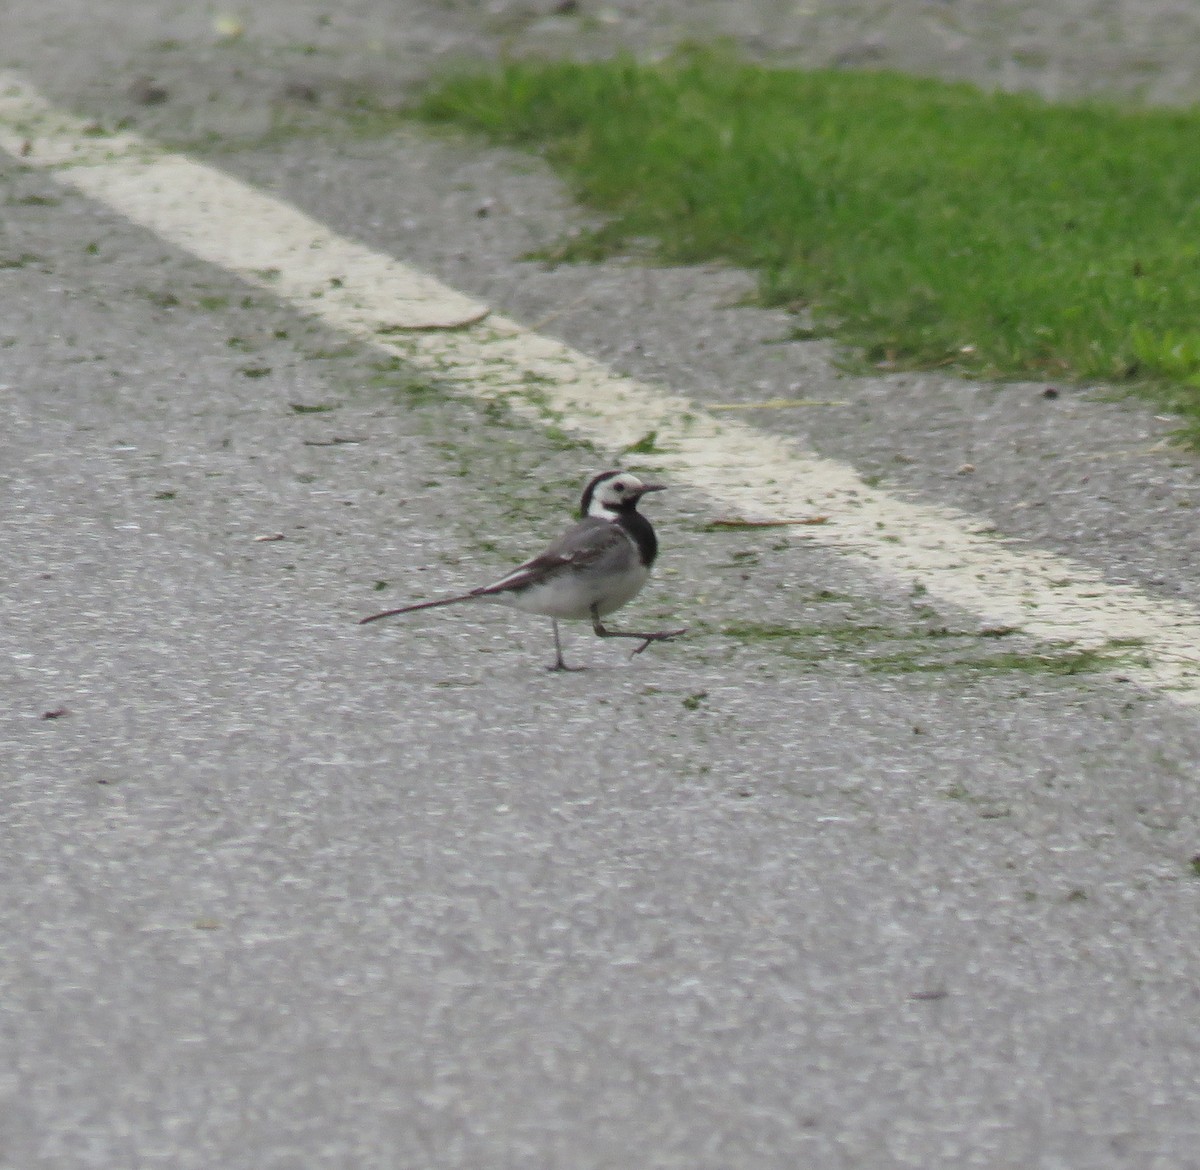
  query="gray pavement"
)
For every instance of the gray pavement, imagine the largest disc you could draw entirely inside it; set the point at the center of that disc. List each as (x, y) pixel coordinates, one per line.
(283, 892)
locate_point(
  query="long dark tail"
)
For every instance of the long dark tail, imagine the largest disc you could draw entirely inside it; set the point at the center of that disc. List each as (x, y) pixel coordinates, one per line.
(420, 605)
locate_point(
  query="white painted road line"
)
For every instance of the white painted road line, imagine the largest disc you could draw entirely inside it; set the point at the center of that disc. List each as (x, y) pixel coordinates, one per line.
(445, 334)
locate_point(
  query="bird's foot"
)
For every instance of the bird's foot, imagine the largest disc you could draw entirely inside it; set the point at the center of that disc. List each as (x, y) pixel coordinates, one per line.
(599, 629)
(661, 636)
(561, 666)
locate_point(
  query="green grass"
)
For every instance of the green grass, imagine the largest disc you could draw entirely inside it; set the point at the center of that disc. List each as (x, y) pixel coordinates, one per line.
(882, 649)
(922, 223)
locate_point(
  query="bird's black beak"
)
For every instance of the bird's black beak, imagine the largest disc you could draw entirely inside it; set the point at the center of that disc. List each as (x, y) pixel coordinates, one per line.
(646, 488)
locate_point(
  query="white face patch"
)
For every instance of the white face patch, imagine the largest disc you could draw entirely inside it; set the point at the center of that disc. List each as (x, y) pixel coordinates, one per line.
(612, 493)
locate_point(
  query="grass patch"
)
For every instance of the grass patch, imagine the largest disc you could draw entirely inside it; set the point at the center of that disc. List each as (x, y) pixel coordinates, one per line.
(883, 649)
(924, 223)
(646, 445)
(1057, 662)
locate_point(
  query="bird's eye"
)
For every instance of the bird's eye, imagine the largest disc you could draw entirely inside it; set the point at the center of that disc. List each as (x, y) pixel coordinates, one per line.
(618, 487)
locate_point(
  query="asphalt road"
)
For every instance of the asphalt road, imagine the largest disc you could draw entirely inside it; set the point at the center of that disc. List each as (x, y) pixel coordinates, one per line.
(285, 892)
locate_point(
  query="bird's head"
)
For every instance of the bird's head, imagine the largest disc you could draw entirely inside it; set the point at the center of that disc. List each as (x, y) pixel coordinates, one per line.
(612, 492)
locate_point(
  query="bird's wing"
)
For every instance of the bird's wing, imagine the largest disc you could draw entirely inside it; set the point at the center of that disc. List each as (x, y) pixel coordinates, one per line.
(590, 541)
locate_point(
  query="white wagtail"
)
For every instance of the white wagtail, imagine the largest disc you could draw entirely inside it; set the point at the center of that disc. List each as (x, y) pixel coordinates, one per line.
(595, 567)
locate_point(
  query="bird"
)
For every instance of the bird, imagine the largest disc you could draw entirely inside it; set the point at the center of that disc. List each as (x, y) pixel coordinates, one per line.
(596, 566)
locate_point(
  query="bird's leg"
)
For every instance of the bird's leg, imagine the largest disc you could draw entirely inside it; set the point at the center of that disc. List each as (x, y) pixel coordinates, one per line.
(660, 636)
(559, 664)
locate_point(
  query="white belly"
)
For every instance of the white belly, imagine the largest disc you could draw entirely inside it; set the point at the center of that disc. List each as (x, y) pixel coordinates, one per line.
(570, 596)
